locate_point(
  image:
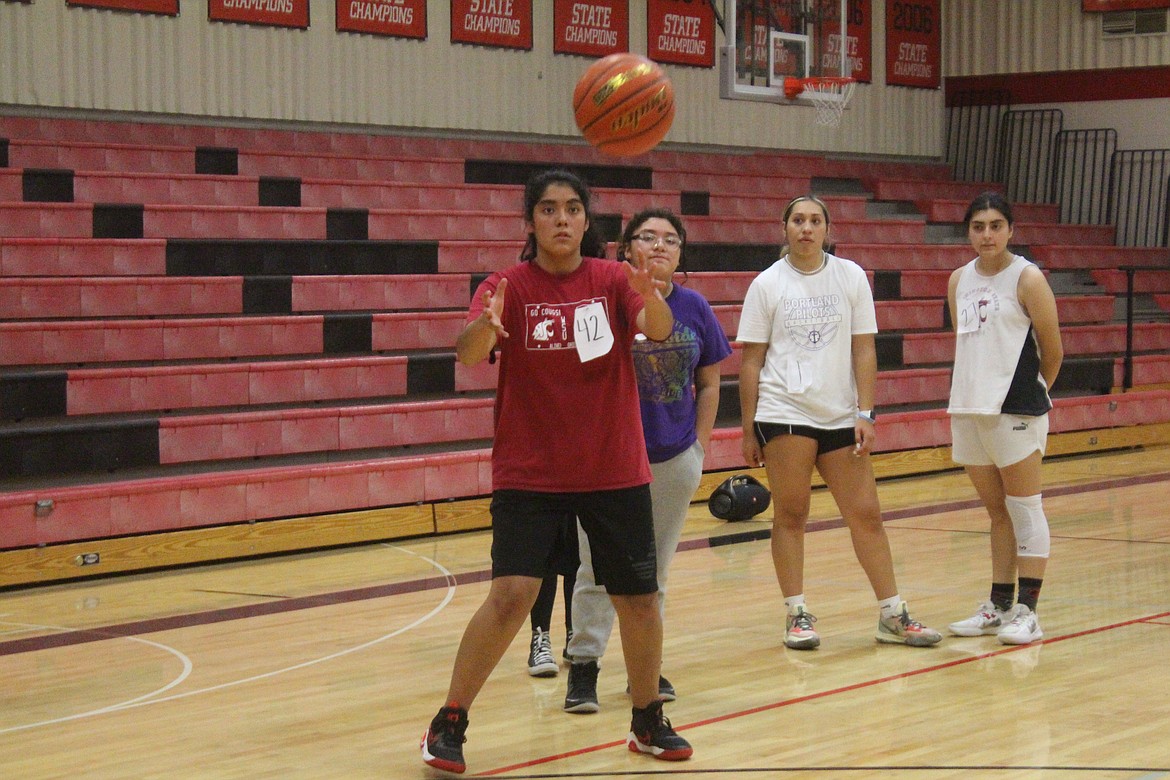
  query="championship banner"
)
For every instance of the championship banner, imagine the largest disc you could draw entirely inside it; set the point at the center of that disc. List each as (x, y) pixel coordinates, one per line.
(400, 18)
(595, 28)
(859, 43)
(913, 44)
(168, 7)
(276, 13)
(506, 23)
(761, 21)
(1100, 6)
(681, 32)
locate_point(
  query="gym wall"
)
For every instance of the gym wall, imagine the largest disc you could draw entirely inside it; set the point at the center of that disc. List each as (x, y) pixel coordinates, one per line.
(56, 57)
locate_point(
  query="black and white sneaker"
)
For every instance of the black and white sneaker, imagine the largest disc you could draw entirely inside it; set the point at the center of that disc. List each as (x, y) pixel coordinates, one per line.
(540, 658)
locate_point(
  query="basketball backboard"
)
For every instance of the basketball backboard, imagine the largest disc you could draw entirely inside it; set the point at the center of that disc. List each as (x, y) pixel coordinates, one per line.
(771, 40)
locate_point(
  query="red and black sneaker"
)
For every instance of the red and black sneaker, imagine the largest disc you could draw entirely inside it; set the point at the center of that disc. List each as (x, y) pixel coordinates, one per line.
(442, 744)
(650, 732)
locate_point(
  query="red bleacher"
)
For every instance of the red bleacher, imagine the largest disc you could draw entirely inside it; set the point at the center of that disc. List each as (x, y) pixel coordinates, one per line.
(263, 415)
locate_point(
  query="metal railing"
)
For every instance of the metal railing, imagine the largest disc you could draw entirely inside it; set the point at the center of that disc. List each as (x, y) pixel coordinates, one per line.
(1081, 164)
(1026, 141)
(972, 125)
(1139, 191)
(1037, 161)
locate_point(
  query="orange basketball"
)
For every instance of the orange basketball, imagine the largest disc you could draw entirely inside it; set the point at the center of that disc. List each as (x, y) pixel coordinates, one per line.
(624, 104)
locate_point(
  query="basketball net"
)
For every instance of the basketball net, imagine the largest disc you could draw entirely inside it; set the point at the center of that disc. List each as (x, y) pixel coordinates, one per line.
(828, 94)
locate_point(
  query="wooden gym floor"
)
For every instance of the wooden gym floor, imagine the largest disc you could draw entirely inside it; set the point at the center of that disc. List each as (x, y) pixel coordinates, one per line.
(330, 664)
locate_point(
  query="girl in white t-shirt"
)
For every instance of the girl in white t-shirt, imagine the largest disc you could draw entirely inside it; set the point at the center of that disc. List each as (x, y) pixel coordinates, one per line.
(806, 388)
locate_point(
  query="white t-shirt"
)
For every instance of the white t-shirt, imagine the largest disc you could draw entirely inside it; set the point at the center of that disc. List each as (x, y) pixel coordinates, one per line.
(808, 321)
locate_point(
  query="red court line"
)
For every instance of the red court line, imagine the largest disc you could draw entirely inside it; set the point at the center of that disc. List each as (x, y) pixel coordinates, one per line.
(832, 692)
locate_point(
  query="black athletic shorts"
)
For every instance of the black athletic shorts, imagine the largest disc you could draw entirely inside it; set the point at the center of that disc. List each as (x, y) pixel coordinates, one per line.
(526, 527)
(827, 439)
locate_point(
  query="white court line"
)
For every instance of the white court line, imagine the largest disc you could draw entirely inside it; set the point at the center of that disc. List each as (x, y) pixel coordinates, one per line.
(149, 697)
(187, 668)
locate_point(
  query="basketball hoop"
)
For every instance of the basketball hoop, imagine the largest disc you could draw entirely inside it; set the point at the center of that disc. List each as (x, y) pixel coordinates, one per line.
(828, 94)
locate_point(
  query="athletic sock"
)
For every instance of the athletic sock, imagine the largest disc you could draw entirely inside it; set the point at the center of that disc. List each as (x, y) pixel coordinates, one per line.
(889, 607)
(1003, 595)
(1030, 591)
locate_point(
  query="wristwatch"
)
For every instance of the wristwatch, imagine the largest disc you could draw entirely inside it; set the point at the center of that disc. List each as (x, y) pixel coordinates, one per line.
(867, 414)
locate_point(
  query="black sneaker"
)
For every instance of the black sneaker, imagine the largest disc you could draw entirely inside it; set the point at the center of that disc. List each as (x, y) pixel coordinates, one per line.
(540, 658)
(666, 691)
(650, 732)
(442, 744)
(582, 695)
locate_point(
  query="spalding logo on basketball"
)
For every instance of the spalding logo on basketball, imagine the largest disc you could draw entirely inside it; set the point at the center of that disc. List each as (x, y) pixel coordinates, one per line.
(624, 104)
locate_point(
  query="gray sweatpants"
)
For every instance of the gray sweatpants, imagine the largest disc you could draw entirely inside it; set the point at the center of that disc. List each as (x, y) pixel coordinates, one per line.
(675, 483)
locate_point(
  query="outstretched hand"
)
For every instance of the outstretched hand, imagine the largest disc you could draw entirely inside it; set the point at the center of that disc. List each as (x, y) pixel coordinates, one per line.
(493, 308)
(642, 282)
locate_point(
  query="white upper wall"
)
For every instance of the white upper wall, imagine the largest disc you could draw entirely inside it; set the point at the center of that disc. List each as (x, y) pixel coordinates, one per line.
(53, 56)
(983, 37)
(1035, 36)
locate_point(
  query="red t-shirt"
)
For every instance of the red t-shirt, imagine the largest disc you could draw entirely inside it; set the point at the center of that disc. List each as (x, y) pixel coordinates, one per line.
(563, 425)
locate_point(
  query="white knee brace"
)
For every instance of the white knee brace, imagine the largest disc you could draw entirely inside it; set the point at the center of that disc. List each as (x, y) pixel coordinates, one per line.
(1030, 525)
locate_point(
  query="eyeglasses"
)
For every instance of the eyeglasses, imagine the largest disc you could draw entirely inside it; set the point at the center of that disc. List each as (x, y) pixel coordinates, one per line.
(670, 240)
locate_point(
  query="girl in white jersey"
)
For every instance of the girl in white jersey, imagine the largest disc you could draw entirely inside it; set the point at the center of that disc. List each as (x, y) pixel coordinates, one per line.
(806, 387)
(1007, 355)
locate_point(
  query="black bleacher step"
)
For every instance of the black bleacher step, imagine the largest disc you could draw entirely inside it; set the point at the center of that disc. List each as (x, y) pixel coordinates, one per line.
(512, 172)
(47, 185)
(345, 224)
(728, 413)
(267, 295)
(74, 478)
(118, 220)
(1081, 375)
(42, 450)
(833, 185)
(889, 351)
(430, 373)
(258, 257)
(887, 285)
(945, 233)
(608, 226)
(220, 160)
(282, 191)
(348, 332)
(730, 257)
(476, 280)
(32, 394)
(3, 152)
(695, 204)
(1145, 308)
(892, 209)
(1076, 282)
